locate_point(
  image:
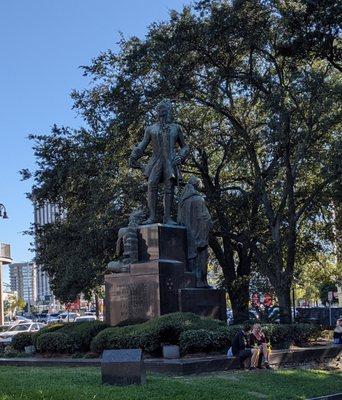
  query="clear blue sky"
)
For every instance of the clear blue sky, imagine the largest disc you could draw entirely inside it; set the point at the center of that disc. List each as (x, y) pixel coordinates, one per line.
(42, 44)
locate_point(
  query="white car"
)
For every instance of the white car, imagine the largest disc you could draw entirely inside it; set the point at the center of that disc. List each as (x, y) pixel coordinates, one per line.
(86, 318)
(68, 317)
(52, 318)
(6, 337)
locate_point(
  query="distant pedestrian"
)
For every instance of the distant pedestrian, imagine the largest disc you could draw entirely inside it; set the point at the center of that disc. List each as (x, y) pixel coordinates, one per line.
(258, 340)
(338, 332)
(241, 348)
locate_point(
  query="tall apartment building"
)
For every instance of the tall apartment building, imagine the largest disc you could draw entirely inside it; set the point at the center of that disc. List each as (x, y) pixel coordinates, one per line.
(23, 279)
(46, 213)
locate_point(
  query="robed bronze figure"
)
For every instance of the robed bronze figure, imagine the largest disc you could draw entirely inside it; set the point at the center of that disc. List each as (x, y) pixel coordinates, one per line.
(194, 215)
(169, 151)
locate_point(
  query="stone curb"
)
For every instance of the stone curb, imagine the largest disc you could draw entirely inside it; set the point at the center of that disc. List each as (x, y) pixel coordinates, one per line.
(186, 366)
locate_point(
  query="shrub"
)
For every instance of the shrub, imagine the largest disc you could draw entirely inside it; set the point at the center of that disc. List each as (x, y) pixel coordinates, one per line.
(279, 335)
(46, 329)
(83, 332)
(302, 333)
(79, 334)
(151, 335)
(56, 342)
(21, 340)
(203, 340)
(128, 337)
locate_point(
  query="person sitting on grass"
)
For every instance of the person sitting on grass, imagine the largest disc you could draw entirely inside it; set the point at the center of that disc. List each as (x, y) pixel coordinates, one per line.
(242, 350)
(258, 341)
(338, 332)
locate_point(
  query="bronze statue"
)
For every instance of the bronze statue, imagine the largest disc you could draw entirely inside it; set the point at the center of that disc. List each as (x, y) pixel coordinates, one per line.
(164, 165)
(194, 215)
(127, 244)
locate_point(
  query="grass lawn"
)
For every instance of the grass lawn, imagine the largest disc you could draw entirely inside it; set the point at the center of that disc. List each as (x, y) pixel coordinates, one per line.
(52, 383)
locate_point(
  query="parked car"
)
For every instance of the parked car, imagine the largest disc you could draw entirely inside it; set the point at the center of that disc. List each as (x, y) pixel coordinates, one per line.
(6, 337)
(86, 318)
(89, 313)
(68, 316)
(52, 318)
(42, 318)
(20, 318)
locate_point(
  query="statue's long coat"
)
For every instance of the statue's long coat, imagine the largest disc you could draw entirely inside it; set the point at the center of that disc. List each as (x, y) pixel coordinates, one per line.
(194, 215)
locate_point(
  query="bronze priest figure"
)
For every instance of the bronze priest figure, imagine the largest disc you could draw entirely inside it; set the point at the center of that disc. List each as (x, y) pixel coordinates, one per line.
(194, 215)
(169, 151)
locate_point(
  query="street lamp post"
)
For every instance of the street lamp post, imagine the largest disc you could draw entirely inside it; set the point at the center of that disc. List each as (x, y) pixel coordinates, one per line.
(3, 212)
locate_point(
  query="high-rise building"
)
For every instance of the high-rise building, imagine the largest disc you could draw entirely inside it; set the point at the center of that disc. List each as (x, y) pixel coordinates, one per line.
(23, 279)
(45, 213)
(5, 258)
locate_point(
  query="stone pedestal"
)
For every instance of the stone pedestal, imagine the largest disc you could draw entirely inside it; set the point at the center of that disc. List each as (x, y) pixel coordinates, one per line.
(162, 242)
(156, 284)
(203, 301)
(148, 291)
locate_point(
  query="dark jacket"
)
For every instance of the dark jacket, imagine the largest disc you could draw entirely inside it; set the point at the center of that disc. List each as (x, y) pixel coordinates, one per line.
(240, 342)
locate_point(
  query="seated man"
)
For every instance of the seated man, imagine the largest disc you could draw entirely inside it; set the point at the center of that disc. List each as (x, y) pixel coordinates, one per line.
(241, 348)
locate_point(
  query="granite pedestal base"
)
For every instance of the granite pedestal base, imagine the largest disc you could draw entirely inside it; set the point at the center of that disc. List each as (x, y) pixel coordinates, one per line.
(159, 283)
(148, 291)
(207, 302)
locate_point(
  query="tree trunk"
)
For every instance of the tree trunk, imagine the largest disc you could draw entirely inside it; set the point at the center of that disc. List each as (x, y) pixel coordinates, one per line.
(236, 280)
(97, 305)
(239, 298)
(283, 292)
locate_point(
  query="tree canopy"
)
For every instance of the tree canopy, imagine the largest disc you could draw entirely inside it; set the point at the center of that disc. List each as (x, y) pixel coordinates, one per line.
(257, 91)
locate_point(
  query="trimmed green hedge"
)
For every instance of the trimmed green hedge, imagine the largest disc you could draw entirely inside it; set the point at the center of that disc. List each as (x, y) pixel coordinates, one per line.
(203, 340)
(67, 338)
(151, 335)
(56, 342)
(21, 340)
(194, 334)
(47, 329)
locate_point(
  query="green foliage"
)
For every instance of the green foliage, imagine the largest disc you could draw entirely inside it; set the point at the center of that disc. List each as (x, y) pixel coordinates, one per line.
(151, 335)
(83, 332)
(79, 336)
(56, 342)
(203, 340)
(47, 329)
(258, 96)
(193, 334)
(279, 335)
(302, 333)
(21, 340)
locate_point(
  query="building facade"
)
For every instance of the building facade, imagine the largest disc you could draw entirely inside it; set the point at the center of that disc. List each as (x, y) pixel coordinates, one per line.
(46, 213)
(5, 258)
(23, 280)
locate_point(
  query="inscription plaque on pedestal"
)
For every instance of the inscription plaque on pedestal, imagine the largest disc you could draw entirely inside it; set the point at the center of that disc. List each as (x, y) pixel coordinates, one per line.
(150, 290)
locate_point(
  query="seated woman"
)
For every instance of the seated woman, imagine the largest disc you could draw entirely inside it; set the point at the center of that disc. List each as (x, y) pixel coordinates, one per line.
(258, 341)
(242, 350)
(338, 332)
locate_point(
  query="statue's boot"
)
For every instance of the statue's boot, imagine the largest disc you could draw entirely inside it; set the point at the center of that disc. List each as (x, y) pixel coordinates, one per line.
(152, 206)
(168, 199)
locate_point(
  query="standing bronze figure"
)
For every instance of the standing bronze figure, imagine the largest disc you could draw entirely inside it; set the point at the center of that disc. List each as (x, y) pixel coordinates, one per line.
(169, 151)
(194, 215)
